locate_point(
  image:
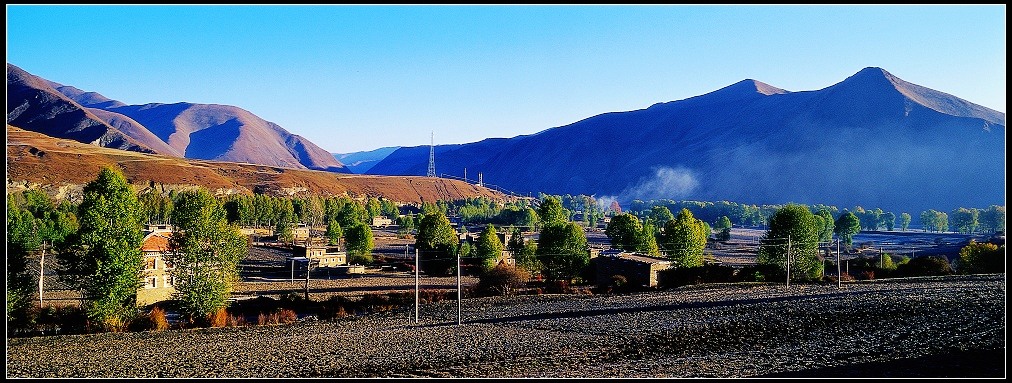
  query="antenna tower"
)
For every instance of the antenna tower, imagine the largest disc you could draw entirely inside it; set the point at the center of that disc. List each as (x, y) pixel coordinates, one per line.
(432, 156)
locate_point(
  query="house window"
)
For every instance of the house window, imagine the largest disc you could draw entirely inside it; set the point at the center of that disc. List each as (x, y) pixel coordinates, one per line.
(167, 263)
(149, 263)
(152, 283)
(169, 281)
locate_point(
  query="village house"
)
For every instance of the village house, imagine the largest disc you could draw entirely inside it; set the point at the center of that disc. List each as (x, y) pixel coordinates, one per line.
(157, 283)
(322, 255)
(381, 221)
(638, 269)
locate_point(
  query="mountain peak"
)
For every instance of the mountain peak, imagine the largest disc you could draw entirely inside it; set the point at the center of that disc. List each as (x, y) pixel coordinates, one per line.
(753, 86)
(877, 81)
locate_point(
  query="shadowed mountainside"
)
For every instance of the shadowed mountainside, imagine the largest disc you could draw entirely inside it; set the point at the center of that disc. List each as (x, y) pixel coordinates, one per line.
(870, 140)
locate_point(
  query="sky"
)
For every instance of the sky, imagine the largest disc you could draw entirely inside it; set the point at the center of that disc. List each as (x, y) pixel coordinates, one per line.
(359, 77)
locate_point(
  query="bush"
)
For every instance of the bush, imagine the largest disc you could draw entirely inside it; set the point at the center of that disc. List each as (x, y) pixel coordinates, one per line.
(154, 320)
(925, 266)
(501, 280)
(866, 275)
(219, 318)
(976, 258)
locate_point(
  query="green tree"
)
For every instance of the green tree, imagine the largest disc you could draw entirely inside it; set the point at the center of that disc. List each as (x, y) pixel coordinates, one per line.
(551, 211)
(284, 231)
(22, 238)
(846, 226)
(105, 261)
(723, 227)
(828, 225)
(205, 250)
(683, 239)
(978, 258)
(436, 242)
(660, 215)
(793, 232)
(624, 231)
(992, 219)
(964, 220)
(562, 248)
(904, 221)
(525, 252)
(889, 219)
(334, 232)
(488, 248)
(646, 241)
(359, 242)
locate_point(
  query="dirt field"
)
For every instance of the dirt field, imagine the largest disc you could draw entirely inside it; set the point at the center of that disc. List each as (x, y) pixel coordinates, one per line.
(929, 327)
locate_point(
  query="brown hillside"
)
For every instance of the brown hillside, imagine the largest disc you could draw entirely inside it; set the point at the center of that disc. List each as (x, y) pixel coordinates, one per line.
(62, 167)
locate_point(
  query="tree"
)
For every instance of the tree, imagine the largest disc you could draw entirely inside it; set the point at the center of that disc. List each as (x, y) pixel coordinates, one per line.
(551, 211)
(977, 258)
(562, 248)
(723, 226)
(436, 242)
(660, 215)
(334, 232)
(792, 232)
(889, 219)
(904, 221)
(846, 226)
(683, 239)
(828, 225)
(488, 248)
(525, 252)
(359, 242)
(205, 251)
(965, 220)
(105, 260)
(624, 231)
(646, 241)
(992, 219)
(22, 239)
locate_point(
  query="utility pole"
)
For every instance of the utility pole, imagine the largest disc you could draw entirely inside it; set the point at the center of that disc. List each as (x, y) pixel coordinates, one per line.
(416, 285)
(293, 271)
(432, 156)
(309, 264)
(459, 311)
(42, 275)
(788, 261)
(839, 277)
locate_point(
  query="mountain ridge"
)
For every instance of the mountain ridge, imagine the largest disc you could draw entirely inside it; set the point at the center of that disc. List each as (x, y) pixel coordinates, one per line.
(861, 141)
(182, 129)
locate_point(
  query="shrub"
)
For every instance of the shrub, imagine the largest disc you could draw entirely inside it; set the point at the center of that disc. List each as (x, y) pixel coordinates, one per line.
(287, 316)
(865, 275)
(925, 266)
(219, 318)
(975, 258)
(502, 280)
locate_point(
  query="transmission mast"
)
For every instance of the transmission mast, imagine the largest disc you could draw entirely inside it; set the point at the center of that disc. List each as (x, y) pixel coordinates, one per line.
(432, 156)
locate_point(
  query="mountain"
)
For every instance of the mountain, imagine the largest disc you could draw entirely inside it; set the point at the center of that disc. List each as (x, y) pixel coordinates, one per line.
(361, 162)
(62, 167)
(196, 131)
(871, 140)
(35, 105)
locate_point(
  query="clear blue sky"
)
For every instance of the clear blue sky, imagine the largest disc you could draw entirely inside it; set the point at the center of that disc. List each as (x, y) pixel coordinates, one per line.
(353, 78)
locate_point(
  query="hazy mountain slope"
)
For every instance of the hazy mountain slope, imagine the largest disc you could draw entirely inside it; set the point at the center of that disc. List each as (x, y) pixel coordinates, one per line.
(870, 140)
(33, 104)
(361, 162)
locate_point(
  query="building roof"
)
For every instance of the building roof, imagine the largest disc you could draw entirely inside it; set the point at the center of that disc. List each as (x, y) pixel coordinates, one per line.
(156, 241)
(642, 258)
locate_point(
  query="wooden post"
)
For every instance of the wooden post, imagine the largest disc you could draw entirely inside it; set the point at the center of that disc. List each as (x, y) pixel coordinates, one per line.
(788, 261)
(416, 285)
